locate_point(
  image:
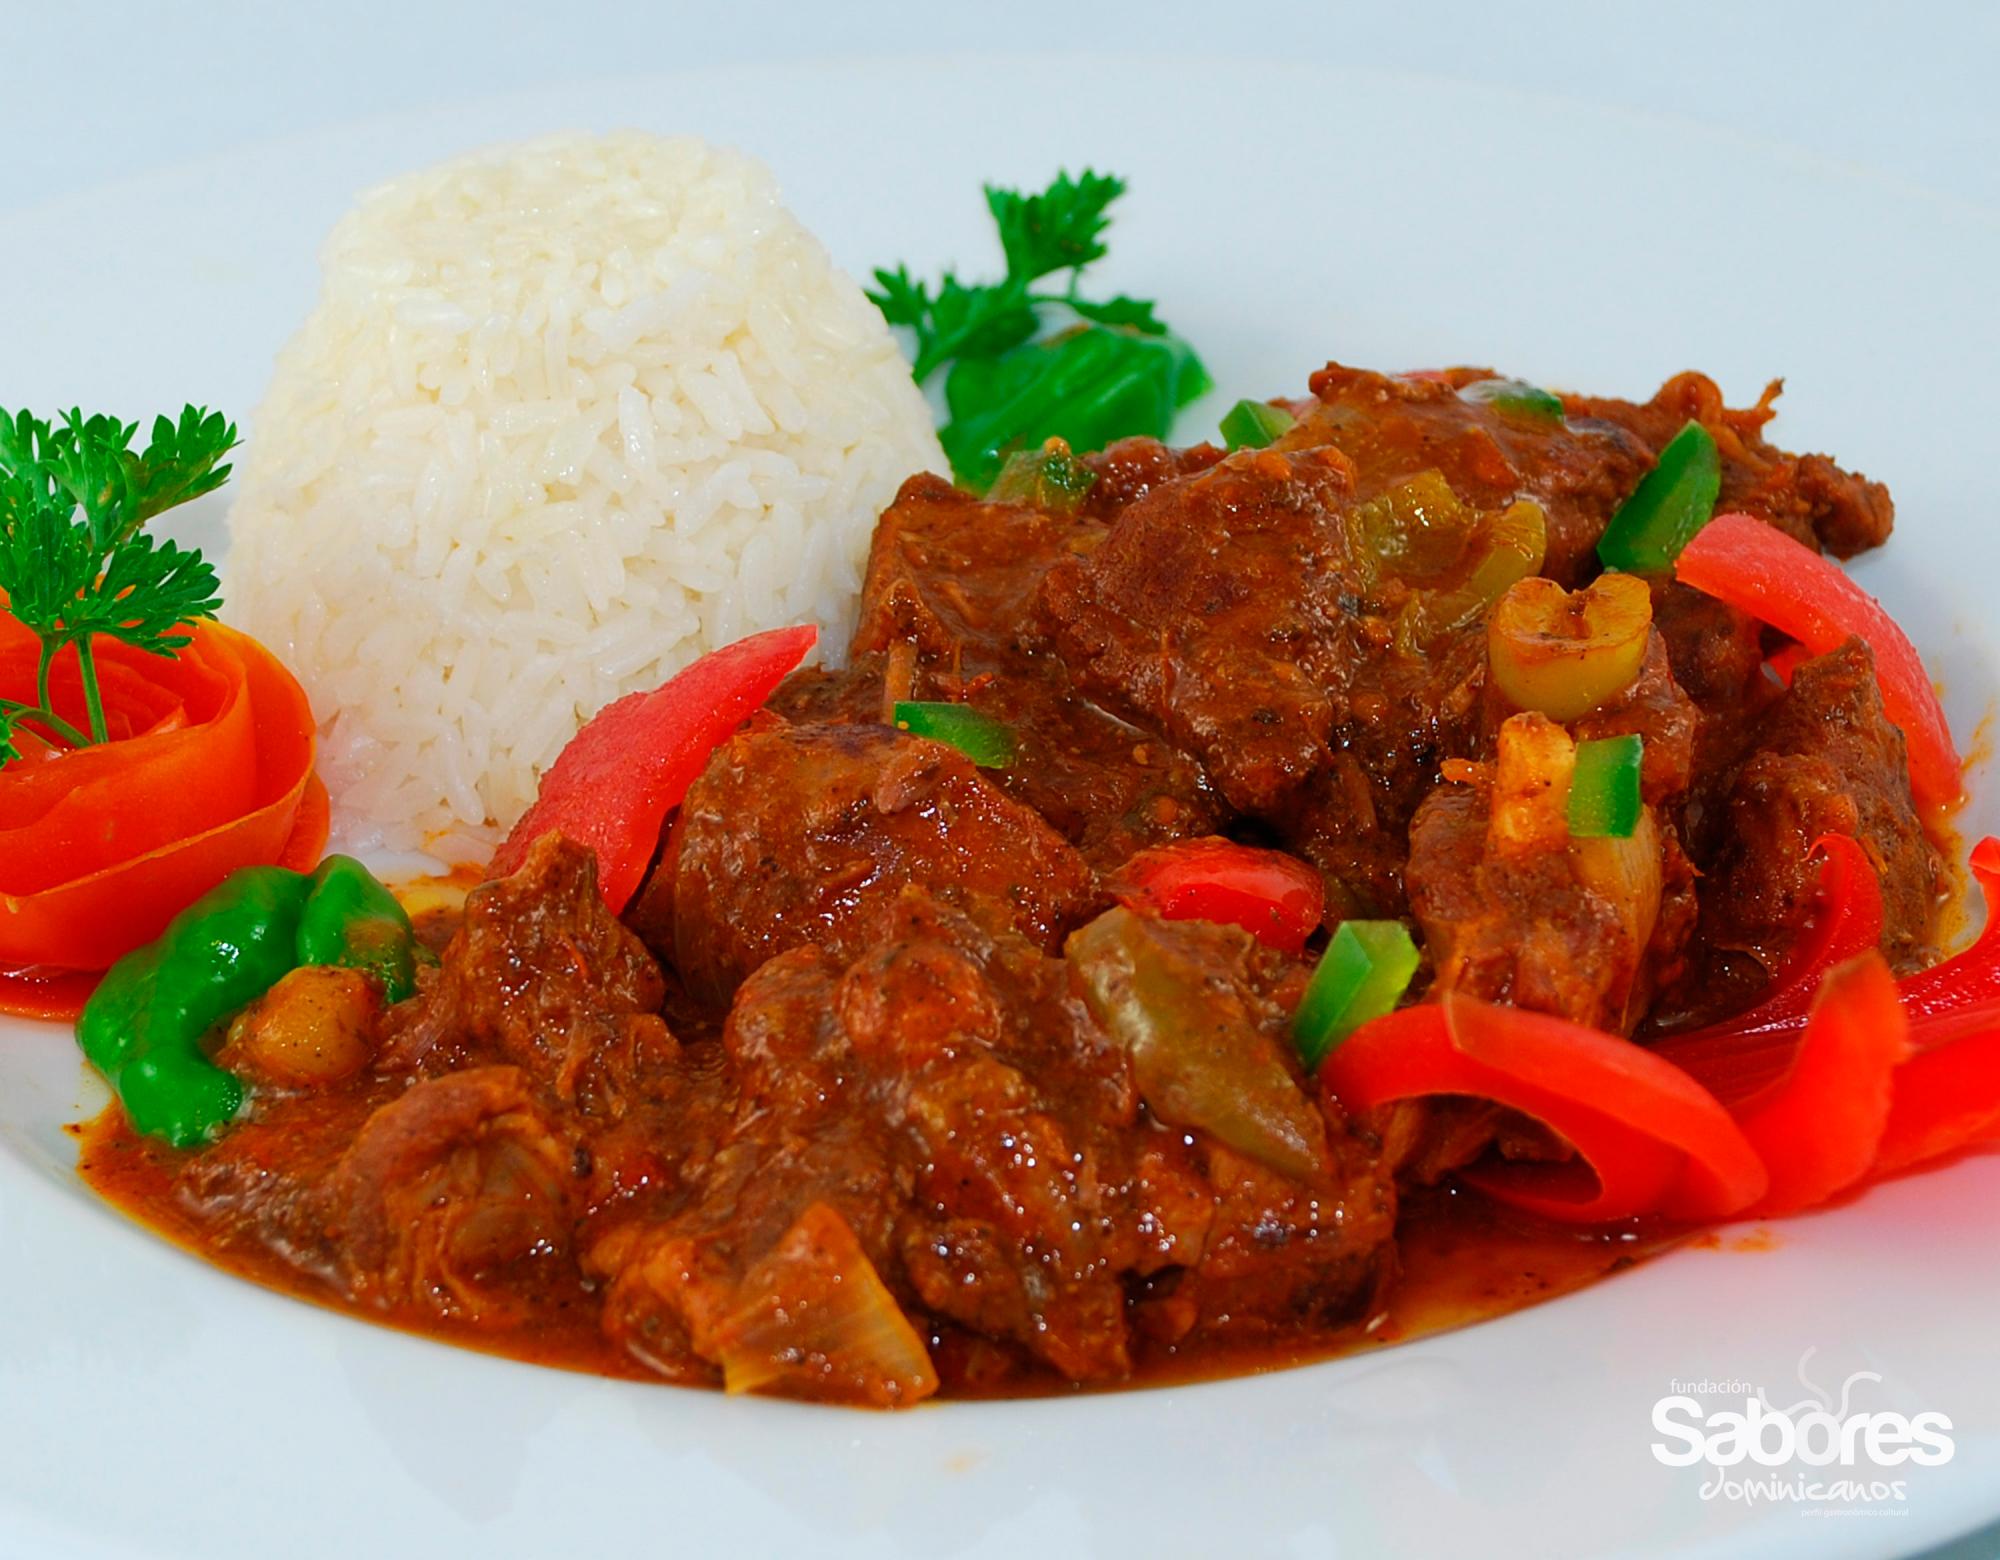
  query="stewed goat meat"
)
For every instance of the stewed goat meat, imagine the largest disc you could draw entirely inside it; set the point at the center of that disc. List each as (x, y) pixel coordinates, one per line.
(886, 1083)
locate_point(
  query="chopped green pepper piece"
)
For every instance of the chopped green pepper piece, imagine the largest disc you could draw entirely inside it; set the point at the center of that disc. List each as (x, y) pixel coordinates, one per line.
(1362, 975)
(987, 742)
(143, 1026)
(1516, 396)
(1050, 478)
(1672, 502)
(1604, 791)
(350, 919)
(1254, 424)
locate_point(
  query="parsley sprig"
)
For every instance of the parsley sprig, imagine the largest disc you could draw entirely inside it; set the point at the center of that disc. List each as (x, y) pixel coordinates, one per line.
(1061, 229)
(76, 560)
(1115, 369)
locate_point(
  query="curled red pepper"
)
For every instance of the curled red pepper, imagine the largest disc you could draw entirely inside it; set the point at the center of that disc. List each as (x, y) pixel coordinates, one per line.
(1819, 1127)
(612, 787)
(1650, 1139)
(1917, 1062)
(1743, 1056)
(1762, 571)
(1945, 1099)
(1274, 897)
(1962, 995)
(1947, 1093)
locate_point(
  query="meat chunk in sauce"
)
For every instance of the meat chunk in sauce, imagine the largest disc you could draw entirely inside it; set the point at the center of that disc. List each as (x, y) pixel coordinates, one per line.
(1392, 428)
(1239, 613)
(444, 1188)
(950, 583)
(986, 1143)
(808, 834)
(1716, 655)
(542, 976)
(1212, 612)
(1807, 497)
(1515, 910)
(1826, 761)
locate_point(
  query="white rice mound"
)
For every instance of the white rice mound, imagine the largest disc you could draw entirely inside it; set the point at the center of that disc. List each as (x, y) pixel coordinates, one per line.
(567, 416)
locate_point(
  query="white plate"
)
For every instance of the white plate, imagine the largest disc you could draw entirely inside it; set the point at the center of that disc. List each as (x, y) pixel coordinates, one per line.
(150, 1406)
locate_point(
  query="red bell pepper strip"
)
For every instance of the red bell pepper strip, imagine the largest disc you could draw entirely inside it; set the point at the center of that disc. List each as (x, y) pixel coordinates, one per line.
(1656, 1141)
(1741, 1057)
(1819, 1129)
(1947, 1094)
(1944, 1092)
(1944, 1099)
(1962, 995)
(612, 787)
(1762, 571)
(1274, 897)
(1787, 659)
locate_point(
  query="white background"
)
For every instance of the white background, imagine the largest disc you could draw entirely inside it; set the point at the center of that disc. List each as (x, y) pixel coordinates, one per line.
(95, 91)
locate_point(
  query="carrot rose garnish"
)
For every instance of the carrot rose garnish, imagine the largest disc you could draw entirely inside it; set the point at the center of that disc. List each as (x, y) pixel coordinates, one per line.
(146, 751)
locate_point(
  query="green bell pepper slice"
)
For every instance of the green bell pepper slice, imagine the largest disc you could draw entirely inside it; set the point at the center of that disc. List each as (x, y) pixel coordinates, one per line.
(350, 919)
(143, 1026)
(1250, 425)
(1050, 478)
(1672, 502)
(1516, 397)
(1366, 968)
(1604, 794)
(989, 743)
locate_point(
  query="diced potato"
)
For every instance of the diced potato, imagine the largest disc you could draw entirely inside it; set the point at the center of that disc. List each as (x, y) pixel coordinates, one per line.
(315, 1027)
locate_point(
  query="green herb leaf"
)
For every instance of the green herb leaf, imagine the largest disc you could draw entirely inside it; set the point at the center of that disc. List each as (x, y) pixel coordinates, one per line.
(1061, 229)
(47, 561)
(75, 561)
(1086, 387)
(180, 462)
(1132, 313)
(996, 389)
(151, 589)
(88, 462)
(901, 300)
(26, 482)
(979, 321)
(960, 322)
